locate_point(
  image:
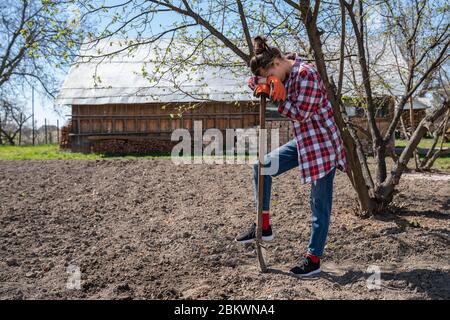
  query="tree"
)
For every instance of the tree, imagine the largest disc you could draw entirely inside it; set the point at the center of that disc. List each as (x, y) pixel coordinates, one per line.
(12, 120)
(35, 37)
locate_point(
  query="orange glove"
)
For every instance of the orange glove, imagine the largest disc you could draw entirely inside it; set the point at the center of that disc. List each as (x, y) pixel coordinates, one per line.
(262, 89)
(278, 91)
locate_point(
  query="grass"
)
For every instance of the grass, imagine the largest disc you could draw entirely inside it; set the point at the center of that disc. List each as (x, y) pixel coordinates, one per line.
(424, 143)
(442, 163)
(52, 152)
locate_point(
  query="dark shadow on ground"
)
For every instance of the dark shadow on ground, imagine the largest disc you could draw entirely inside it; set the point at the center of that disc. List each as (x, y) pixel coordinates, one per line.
(402, 223)
(435, 284)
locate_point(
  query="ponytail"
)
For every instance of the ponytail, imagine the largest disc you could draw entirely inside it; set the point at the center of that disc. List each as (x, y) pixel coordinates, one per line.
(264, 55)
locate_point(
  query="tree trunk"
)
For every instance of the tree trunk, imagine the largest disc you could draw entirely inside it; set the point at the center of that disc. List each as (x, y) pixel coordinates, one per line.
(380, 158)
(356, 163)
(367, 204)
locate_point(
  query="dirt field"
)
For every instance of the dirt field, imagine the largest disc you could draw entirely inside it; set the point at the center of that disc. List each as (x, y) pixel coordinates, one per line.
(151, 229)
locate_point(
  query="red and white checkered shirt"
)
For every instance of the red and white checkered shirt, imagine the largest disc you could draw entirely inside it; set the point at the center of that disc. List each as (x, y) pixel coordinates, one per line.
(319, 143)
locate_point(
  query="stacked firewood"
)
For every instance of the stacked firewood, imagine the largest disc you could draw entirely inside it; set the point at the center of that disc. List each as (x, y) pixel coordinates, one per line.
(124, 146)
(65, 138)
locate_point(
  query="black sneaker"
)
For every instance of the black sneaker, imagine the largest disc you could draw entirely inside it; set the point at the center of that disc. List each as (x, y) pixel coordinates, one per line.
(250, 235)
(306, 267)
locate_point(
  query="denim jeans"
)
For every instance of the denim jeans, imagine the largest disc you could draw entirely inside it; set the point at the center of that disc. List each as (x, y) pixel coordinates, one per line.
(321, 196)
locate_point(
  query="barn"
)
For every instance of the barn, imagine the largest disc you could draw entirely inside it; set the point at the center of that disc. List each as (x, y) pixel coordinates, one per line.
(115, 108)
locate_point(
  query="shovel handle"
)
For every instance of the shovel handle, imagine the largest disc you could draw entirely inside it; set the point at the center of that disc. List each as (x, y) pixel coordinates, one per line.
(261, 151)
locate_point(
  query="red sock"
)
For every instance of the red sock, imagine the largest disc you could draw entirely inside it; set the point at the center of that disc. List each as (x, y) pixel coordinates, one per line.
(314, 259)
(265, 220)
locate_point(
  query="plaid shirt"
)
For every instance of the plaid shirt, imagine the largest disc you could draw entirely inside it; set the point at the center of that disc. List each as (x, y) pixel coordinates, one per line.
(319, 144)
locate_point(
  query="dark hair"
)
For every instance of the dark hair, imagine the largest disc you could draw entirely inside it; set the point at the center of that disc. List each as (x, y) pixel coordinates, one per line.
(264, 55)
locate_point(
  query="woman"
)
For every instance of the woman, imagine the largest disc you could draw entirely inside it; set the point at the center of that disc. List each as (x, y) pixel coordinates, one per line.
(317, 148)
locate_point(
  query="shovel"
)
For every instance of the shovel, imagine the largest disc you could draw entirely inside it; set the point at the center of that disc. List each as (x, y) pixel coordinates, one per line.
(261, 148)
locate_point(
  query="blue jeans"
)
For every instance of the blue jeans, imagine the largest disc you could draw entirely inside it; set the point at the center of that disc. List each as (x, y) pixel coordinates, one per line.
(321, 197)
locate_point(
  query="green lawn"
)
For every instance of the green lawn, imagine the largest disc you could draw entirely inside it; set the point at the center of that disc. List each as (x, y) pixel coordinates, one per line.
(442, 163)
(52, 151)
(424, 143)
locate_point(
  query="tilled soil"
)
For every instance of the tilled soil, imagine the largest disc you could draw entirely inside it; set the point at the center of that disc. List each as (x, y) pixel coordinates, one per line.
(155, 230)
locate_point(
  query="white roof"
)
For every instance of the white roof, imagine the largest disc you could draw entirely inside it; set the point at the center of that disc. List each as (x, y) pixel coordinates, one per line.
(120, 77)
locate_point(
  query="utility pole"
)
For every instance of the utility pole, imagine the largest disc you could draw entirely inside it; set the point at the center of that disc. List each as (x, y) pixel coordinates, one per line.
(45, 130)
(32, 112)
(20, 129)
